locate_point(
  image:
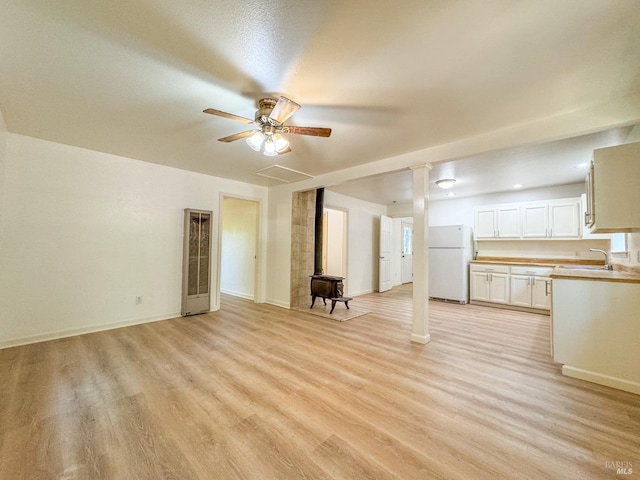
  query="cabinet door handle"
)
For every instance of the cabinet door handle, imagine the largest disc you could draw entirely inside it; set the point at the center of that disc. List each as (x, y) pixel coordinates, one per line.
(533, 281)
(528, 281)
(551, 232)
(546, 288)
(546, 232)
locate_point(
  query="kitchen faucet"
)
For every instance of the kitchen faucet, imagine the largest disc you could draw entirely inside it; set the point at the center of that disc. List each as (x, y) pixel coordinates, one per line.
(606, 258)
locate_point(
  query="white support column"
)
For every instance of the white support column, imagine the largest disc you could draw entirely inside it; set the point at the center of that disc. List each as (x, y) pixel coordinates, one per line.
(420, 331)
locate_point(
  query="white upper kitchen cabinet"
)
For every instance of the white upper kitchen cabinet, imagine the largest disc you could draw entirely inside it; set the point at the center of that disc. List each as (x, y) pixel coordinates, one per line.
(508, 221)
(556, 219)
(551, 219)
(497, 221)
(613, 192)
(564, 218)
(535, 220)
(485, 225)
(586, 234)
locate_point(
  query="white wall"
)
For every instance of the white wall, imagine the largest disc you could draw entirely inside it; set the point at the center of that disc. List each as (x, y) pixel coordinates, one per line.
(3, 155)
(86, 232)
(363, 225)
(238, 249)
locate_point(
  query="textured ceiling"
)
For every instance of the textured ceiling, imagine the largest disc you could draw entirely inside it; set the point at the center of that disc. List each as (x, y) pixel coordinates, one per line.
(132, 78)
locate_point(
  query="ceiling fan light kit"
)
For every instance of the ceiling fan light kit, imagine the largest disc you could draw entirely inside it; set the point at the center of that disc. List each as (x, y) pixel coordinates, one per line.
(446, 183)
(270, 118)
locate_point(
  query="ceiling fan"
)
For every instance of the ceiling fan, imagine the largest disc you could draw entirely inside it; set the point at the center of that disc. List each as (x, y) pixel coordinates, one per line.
(269, 122)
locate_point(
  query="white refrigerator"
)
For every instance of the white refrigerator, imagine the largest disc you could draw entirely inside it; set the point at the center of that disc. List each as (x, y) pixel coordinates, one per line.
(450, 251)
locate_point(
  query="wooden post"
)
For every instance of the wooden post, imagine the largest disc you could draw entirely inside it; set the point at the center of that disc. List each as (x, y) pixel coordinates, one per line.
(420, 330)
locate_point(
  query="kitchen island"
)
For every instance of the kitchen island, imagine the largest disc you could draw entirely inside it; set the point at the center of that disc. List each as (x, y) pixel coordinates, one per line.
(596, 325)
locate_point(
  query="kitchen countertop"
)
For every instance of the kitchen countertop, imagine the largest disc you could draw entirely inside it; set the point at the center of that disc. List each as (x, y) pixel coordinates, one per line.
(620, 274)
(625, 276)
(535, 262)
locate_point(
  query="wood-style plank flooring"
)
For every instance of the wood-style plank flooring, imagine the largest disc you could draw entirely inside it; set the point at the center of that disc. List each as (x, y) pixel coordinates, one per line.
(260, 392)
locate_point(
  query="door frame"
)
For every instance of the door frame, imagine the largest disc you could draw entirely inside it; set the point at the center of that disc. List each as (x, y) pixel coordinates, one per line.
(345, 243)
(258, 288)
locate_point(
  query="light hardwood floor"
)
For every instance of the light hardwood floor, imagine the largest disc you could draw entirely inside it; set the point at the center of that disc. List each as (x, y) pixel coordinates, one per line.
(257, 392)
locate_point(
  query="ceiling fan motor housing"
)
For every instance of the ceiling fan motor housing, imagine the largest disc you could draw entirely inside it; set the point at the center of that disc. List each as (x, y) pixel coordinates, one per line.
(265, 107)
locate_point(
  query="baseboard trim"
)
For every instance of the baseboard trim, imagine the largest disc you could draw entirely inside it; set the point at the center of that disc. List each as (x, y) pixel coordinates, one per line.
(277, 303)
(423, 339)
(507, 306)
(237, 294)
(45, 337)
(357, 294)
(601, 379)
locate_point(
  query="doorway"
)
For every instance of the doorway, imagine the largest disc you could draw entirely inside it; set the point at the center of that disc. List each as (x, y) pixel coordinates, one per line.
(239, 246)
(334, 242)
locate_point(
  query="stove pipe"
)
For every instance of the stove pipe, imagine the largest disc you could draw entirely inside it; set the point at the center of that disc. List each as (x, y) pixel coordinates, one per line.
(317, 261)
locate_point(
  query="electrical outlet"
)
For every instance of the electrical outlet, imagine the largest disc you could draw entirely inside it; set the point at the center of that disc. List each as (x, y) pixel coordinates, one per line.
(638, 256)
(577, 254)
(138, 299)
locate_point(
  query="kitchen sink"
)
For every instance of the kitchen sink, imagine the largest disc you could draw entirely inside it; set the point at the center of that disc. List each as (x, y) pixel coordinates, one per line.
(581, 267)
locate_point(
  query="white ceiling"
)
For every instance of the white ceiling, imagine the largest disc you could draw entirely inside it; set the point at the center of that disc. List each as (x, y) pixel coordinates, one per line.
(132, 78)
(561, 162)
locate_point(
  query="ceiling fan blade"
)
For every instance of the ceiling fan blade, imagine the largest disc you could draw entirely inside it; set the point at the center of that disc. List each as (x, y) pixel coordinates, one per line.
(220, 113)
(237, 136)
(315, 131)
(283, 110)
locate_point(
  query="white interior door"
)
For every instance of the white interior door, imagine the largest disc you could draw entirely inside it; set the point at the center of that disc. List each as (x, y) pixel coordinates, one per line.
(406, 266)
(386, 241)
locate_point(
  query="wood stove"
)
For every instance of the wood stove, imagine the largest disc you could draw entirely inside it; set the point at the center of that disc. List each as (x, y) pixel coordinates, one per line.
(327, 286)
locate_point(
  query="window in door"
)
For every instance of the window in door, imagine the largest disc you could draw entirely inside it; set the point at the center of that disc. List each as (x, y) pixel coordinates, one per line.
(407, 240)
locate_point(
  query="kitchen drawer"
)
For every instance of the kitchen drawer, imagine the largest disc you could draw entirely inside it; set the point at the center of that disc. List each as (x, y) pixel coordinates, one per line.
(489, 268)
(532, 271)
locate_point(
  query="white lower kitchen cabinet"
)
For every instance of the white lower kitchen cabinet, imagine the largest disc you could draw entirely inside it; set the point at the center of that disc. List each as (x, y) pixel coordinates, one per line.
(541, 293)
(596, 331)
(490, 283)
(521, 290)
(530, 287)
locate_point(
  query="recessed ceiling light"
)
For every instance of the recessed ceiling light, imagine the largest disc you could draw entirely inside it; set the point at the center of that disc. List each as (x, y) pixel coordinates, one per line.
(450, 194)
(445, 183)
(517, 185)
